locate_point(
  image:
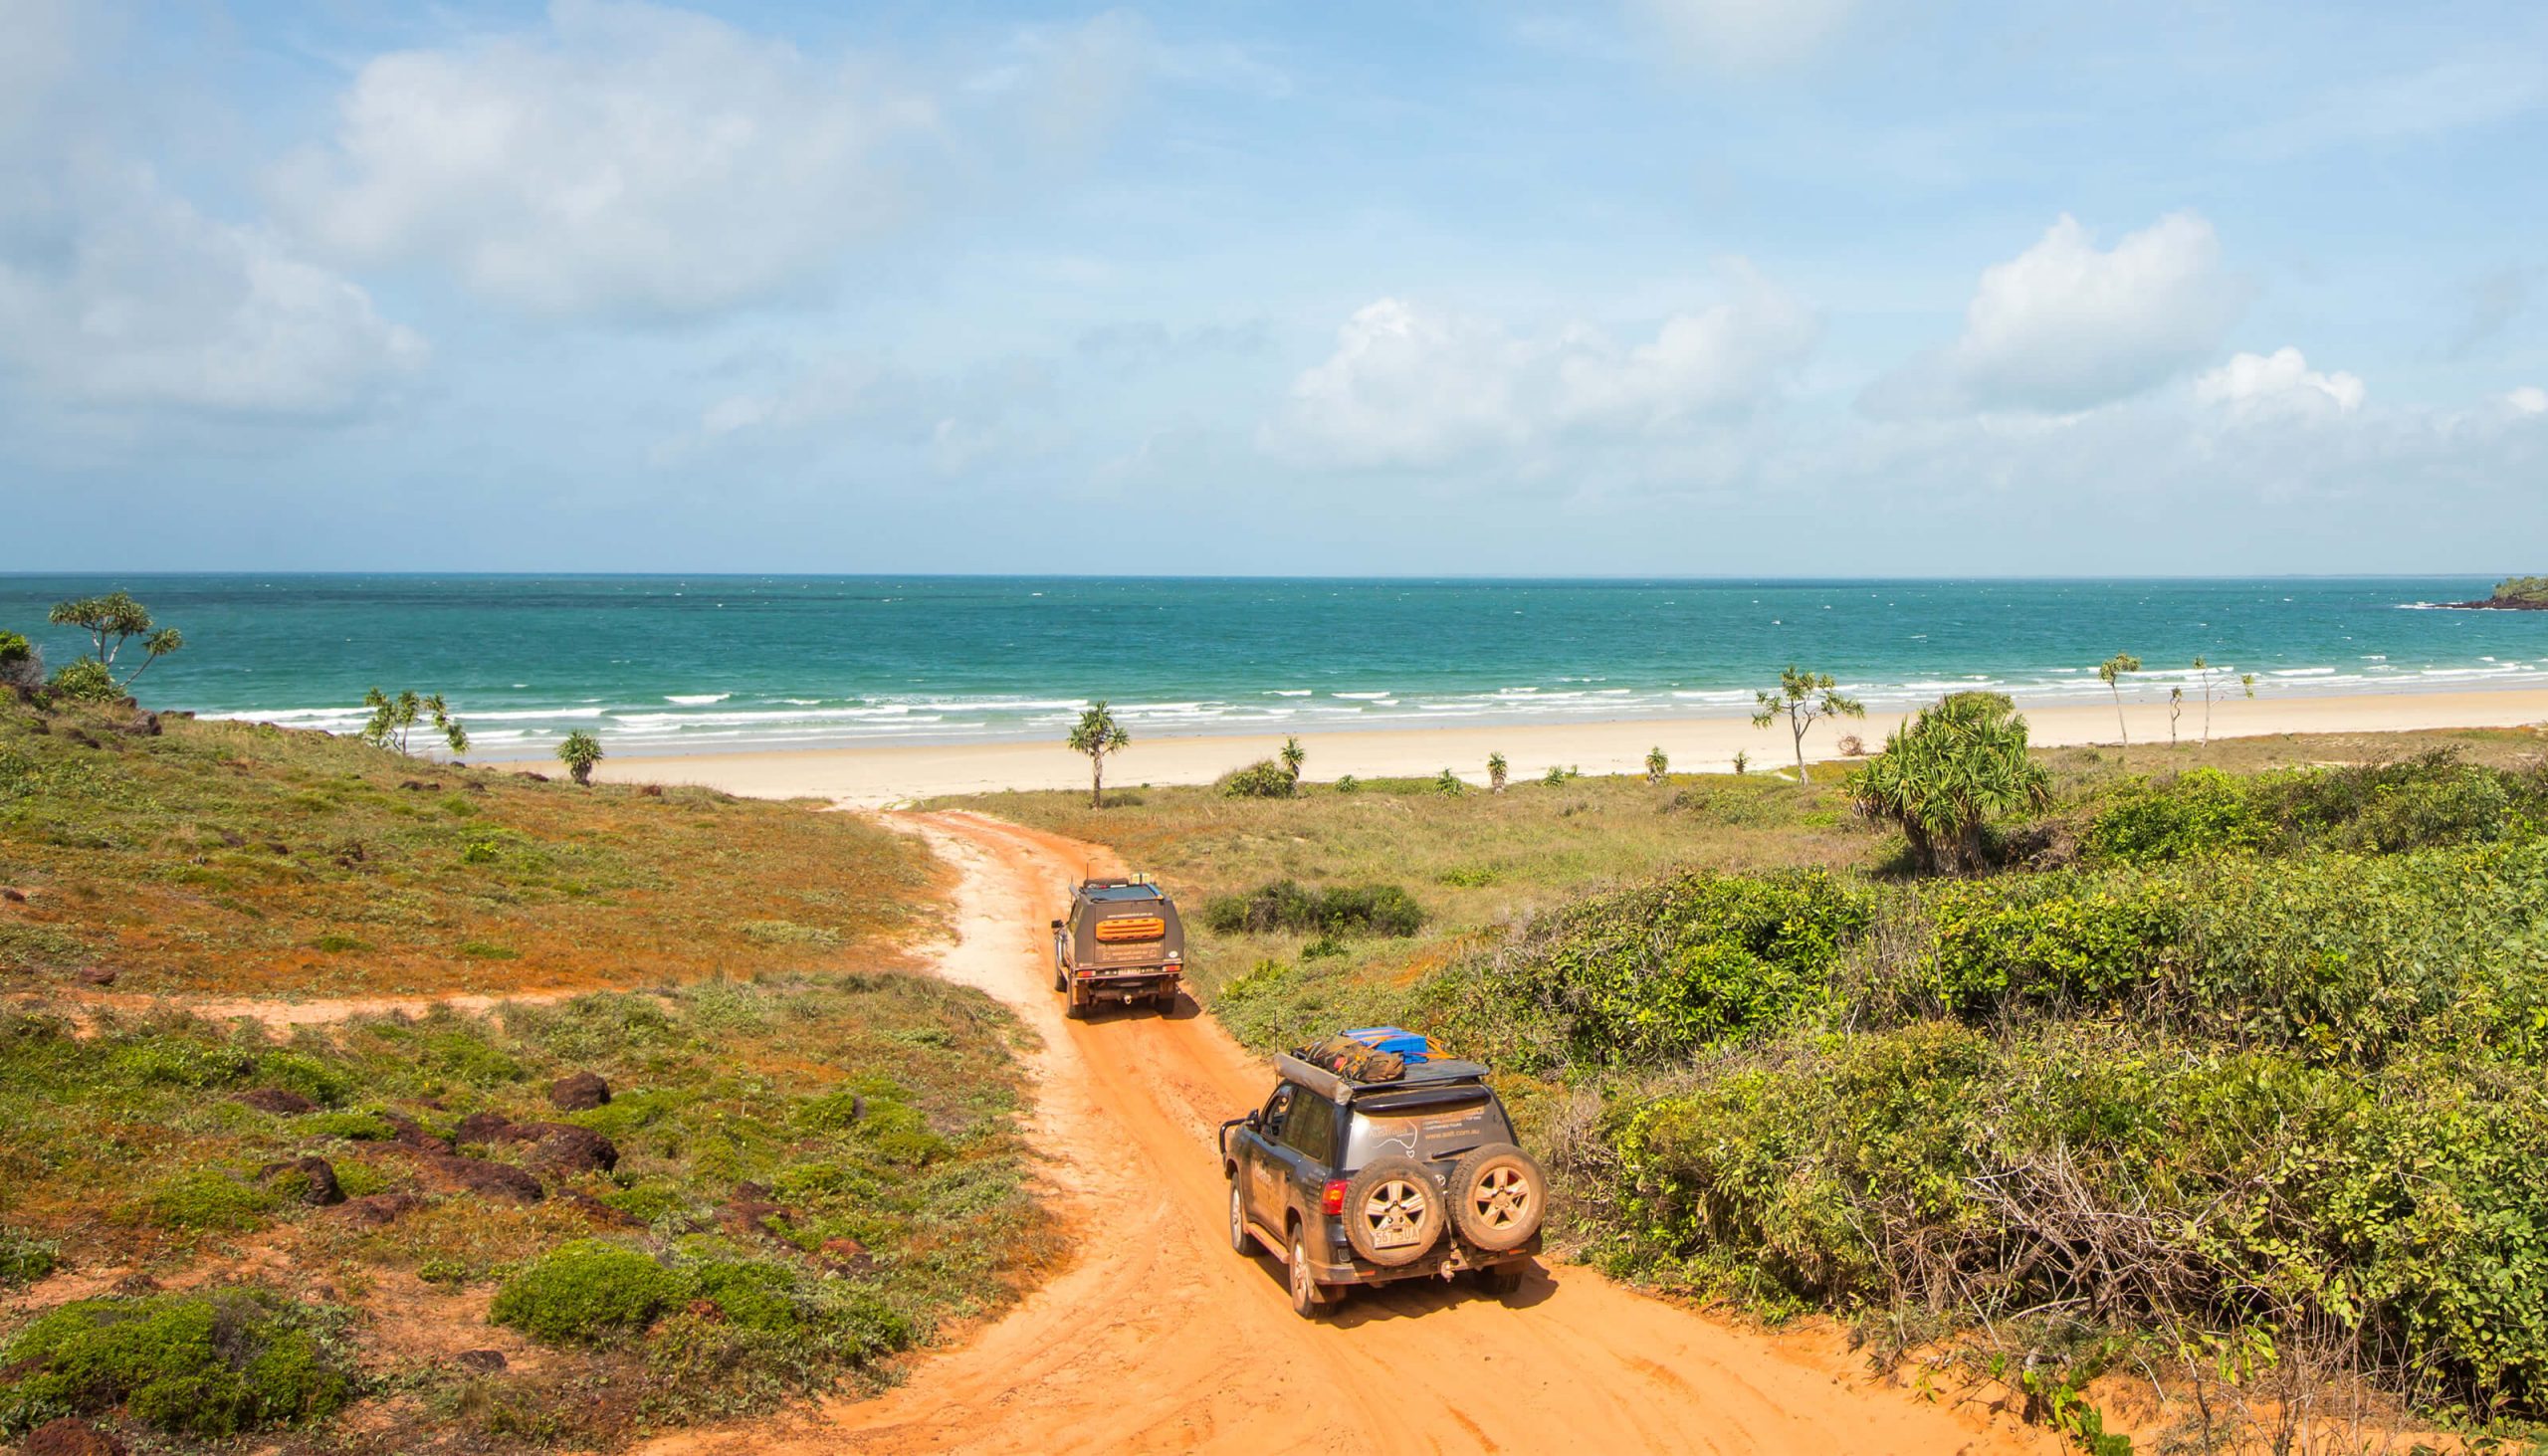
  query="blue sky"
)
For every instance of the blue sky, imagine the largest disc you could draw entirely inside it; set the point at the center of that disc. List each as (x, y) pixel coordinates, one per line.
(1649, 287)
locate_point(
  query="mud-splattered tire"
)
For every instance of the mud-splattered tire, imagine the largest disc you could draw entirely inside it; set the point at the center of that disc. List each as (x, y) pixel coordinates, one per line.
(1241, 1242)
(1309, 1301)
(1503, 1281)
(1393, 1213)
(1073, 1010)
(1498, 1196)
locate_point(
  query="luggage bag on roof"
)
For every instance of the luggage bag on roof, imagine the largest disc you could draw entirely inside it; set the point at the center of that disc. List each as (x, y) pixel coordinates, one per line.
(1354, 1060)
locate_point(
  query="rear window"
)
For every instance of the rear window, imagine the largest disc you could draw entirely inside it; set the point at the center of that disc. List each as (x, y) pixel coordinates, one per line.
(1426, 1130)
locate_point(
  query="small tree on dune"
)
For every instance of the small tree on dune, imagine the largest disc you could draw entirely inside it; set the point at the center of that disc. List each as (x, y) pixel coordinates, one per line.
(2111, 672)
(1656, 765)
(1946, 774)
(1495, 771)
(1448, 785)
(2176, 710)
(392, 719)
(1803, 698)
(579, 752)
(1293, 757)
(113, 621)
(1095, 735)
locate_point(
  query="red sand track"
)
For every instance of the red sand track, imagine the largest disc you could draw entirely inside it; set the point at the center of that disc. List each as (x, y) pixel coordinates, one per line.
(1159, 1339)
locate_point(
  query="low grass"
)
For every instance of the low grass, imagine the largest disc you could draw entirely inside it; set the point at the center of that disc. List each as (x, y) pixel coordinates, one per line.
(249, 859)
(812, 1172)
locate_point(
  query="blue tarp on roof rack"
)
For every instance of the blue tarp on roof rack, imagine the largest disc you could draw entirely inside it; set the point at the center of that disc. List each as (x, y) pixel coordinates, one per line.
(1398, 1039)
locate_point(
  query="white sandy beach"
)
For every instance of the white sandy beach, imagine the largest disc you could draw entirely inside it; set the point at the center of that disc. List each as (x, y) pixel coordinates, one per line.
(870, 776)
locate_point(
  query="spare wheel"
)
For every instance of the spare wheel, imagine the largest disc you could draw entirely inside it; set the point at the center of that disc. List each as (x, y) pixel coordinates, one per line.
(1497, 1195)
(1393, 1213)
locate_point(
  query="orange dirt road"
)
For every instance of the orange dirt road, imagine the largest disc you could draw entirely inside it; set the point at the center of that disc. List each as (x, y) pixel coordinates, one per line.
(1158, 1338)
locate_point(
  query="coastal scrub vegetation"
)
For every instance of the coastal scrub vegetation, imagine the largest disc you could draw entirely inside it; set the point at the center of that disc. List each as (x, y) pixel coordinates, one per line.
(551, 1225)
(158, 853)
(2218, 1069)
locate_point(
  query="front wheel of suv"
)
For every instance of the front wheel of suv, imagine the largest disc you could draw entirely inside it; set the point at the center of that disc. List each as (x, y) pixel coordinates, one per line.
(1308, 1300)
(1240, 1243)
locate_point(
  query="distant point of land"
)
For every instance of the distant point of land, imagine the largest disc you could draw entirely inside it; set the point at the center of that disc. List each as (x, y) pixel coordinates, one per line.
(2513, 594)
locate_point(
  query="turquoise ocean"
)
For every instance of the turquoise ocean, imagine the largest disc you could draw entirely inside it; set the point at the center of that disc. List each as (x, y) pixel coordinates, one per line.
(666, 664)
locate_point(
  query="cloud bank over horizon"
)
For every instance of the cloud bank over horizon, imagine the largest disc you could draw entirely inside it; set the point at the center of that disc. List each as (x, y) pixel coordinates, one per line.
(1682, 286)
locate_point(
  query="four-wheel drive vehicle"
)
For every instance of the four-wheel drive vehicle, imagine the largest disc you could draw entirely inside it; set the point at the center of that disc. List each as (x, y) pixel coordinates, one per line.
(1120, 941)
(1351, 1181)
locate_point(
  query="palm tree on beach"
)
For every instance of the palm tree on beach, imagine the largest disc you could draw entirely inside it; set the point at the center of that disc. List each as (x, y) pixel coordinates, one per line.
(1801, 698)
(1293, 757)
(1098, 735)
(1656, 765)
(1496, 770)
(2110, 671)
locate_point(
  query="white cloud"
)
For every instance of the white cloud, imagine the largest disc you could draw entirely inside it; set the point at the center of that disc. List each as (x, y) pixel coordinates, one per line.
(1748, 33)
(1408, 386)
(629, 158)
(2065, 326)
(2527, 400)
(1700, 365)
(117, 294)
(2278, 385)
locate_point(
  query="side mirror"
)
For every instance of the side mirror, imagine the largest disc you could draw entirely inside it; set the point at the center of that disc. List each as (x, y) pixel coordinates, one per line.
(1057, 925)
(1256, 1121)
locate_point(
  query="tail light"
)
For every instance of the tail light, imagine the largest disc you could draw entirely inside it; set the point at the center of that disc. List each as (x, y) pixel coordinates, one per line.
(1331, 1200)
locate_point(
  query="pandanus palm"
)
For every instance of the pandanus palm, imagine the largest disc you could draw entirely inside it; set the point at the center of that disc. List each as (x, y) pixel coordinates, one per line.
(1944, 776)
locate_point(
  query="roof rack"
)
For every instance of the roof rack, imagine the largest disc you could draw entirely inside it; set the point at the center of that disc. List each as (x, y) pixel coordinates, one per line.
(1338, 1089)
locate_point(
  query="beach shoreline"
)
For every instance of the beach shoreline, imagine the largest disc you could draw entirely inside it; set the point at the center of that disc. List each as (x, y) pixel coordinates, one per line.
(874, 777)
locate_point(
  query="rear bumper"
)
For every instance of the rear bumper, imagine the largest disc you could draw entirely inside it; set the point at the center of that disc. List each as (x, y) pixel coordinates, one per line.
(1448, 1258)
(1118, 985)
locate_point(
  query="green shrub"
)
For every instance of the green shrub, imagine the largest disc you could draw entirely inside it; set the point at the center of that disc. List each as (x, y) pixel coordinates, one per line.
(2050, 940)
(2428, 802)
(208, 1202)
(24, 1258)
(2201, 812)
(1285, 905)
(585, 1293)
(1262, 781)
(352, 1126)
(1650, 974)
(205, 1364)
(86, 679)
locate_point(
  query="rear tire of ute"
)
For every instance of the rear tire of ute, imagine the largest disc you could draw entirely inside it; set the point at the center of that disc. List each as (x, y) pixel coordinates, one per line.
(1393, 1213)
(1308, 1300)
(1240, 1241)
(1497, 1195)
(1503, 1281)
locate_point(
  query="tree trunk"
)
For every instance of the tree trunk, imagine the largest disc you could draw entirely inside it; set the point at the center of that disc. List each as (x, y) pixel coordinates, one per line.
(1096, 781)
(1802, 774)
(2119, 726)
